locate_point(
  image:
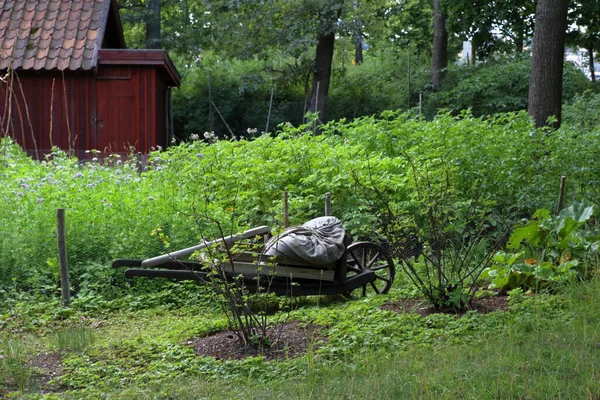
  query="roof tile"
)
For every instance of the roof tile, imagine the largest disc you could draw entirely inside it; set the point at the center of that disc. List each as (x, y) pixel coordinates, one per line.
(62, 64)
(51, 63)
(28, 62)
(17, 6)
(75, 61)
(39, 63)
(28, 17)
(47, 34)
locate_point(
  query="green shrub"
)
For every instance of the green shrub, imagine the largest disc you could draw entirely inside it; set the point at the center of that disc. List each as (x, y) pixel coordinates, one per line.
(548, 250)
(241, 91)
(112, 209)
(582, 113)
(381, 82)
(497, 86)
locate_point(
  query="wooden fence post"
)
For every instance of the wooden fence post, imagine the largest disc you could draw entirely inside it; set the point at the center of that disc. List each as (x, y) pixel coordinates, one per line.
(286, 211)
(327, 204)
(62, 256)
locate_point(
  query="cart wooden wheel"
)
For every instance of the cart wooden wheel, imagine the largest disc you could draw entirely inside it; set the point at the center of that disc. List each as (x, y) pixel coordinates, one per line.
(367, 255)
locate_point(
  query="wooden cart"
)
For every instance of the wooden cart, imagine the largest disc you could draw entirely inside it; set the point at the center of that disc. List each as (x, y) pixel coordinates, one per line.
(364, 267)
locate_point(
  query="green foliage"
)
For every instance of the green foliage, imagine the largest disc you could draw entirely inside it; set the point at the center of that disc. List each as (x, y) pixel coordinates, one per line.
(497, 86)
(241, 91)
(384, 81)
(444, 244)
(14, 370)
(542, 346)
(112, 209)
(74, 339)
(548, 250)
(581, 115)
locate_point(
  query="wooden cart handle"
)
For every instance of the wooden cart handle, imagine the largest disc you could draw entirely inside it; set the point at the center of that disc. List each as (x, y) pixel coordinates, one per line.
(158, 260)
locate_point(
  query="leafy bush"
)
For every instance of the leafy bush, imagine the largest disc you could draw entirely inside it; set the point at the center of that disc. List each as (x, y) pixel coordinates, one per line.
(112, 208)
(241, 91)
(548, 250)
(582, 114)
(498, 86)
(381, 82)
(445, 244)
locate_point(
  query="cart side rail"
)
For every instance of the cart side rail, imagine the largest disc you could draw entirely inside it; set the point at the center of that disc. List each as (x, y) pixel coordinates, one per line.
(229, 240)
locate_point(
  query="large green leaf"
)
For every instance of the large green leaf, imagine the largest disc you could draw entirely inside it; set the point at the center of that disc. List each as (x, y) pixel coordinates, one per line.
(580, 212)
(529, 233)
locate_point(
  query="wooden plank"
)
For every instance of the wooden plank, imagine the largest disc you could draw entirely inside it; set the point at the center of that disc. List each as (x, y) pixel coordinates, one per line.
(270, 269)
(156, 261)
(250, 257)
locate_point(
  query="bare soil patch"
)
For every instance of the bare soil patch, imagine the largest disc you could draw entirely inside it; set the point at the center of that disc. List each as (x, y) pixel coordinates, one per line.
(292, 339)
(48, 367)
(287, 341)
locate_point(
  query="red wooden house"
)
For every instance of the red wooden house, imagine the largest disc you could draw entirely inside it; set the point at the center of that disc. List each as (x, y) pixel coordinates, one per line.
(69, 82)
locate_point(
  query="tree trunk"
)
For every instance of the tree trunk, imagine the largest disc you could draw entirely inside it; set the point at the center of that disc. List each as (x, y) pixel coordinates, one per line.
(547, 60)
(322, 76)
(153, 24)
(590, 51)
(439, 61)
(358, 50)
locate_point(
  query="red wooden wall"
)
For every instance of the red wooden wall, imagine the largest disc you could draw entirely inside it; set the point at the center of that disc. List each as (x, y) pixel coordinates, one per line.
(119, 109)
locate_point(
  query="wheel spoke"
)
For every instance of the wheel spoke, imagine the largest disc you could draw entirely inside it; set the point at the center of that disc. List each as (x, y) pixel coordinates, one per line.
(364, 290)
(375, 287)
(373, 260)
(380, 267)
(382, 278)
(353, 268)
(356, 260)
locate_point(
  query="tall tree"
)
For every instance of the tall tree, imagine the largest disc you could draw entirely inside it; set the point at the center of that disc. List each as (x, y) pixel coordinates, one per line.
(584, 18)
(439, 62)
(547, 61)
(153, 24)
(324, 59)
(358, 36)
(407, 24)
(492, 26)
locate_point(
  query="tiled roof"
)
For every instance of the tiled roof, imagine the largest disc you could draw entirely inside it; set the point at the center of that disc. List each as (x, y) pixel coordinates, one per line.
(51, 34)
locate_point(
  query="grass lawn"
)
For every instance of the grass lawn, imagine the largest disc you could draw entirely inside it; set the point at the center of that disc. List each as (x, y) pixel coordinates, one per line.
(544, 346)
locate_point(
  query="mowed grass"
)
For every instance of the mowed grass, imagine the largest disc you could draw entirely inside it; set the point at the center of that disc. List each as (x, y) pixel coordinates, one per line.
(535, 356)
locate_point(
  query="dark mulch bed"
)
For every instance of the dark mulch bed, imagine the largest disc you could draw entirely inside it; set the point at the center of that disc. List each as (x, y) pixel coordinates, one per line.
(482, 305)
(291, 339)
(48, 367)
(287, 340)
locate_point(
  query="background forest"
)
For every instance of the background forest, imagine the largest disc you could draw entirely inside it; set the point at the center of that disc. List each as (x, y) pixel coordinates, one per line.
(254, 64)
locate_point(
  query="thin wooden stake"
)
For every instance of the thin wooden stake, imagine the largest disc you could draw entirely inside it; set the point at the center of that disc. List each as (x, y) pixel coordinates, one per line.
(561, 194)
(62, 256)
(408, 79)
(223, 119)
(270, 108)
(286, 210)
(211, 113)
(327, 204)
